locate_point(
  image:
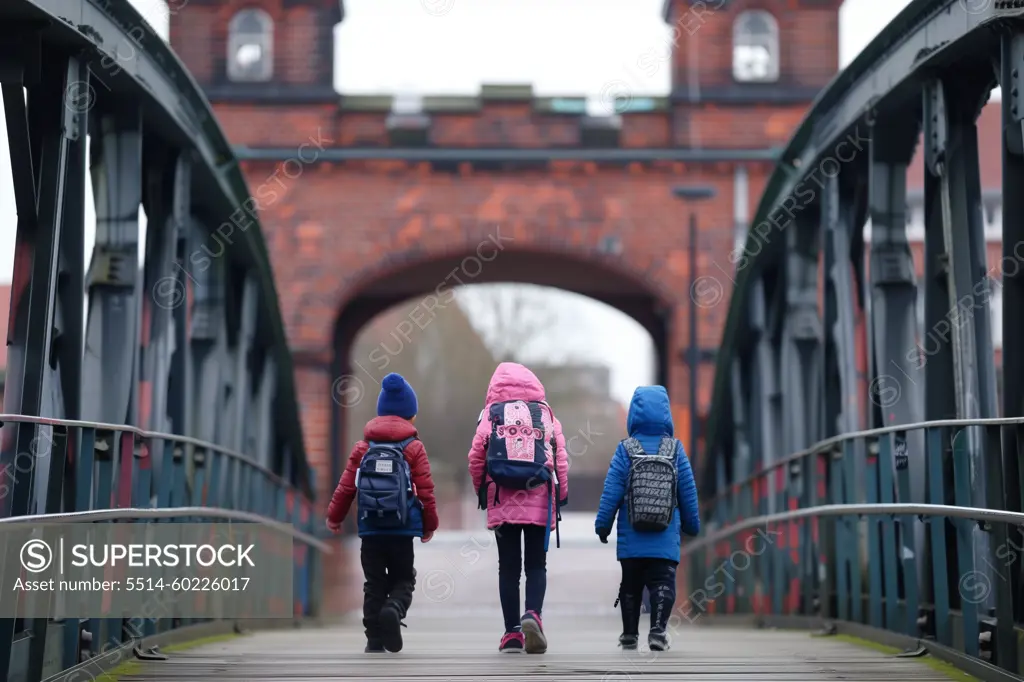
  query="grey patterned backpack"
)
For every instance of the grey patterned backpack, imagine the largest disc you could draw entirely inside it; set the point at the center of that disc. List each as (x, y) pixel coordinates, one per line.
(651, 493)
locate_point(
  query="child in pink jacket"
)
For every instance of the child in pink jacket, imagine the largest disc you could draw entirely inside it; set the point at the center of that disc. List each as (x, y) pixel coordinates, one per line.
(516, 416)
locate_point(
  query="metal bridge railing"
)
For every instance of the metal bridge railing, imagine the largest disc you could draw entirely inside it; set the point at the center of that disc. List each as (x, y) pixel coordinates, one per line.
(823, 337)
(97, 473)
(834, 532)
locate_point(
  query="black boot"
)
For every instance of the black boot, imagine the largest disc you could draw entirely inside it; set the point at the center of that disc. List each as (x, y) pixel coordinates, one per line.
(629, 642)
(394, 612)
(658, 641)
(630, 621)
(663, 599)
(391, 626)
(372, 629)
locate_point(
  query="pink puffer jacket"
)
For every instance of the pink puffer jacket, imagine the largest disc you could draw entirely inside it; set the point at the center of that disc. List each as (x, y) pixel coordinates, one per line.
(512, 381)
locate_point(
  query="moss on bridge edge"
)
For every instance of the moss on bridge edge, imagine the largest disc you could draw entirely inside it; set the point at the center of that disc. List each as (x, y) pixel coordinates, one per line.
(947, 669)
(135, 667)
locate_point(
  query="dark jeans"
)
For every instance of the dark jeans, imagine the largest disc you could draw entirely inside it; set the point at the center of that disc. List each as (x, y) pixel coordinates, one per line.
(389, 578)
(520, 546)
(659, 577)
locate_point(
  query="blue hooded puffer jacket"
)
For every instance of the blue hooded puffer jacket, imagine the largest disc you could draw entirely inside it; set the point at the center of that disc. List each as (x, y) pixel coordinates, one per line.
(650, 418)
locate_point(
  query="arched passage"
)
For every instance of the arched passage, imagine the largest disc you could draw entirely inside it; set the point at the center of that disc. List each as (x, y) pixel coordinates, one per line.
(427, 287)
(492, 261)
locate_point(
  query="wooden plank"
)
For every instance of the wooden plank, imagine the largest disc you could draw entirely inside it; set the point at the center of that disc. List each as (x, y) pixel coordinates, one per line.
(465, 648)
(455, 624)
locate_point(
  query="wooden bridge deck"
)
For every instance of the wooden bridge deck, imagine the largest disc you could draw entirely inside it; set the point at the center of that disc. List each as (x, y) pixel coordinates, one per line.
(450, 649)
(455, 625)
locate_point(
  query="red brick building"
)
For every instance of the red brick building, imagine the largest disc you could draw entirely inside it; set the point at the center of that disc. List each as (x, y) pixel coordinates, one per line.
(367, 201)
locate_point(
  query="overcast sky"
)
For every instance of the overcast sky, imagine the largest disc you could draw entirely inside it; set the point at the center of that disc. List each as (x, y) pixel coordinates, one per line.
(563, 47)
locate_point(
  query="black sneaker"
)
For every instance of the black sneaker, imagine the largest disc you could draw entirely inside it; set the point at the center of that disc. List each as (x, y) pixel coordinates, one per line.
(391, 628)
(374, 648)
(658, 641)
(629, 642)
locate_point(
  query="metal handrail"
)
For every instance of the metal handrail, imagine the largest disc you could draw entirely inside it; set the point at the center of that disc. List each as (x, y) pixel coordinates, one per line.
(903, 509)
(826, 444)
(142, 433)
(173, 512)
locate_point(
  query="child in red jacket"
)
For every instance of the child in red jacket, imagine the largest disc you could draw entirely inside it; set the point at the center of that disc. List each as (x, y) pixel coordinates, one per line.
(389, 473)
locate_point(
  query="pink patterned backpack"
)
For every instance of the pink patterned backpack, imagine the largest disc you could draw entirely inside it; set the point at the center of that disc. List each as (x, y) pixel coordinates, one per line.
(520, 450)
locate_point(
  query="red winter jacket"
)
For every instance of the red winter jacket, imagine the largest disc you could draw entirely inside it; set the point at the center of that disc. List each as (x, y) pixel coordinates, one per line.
(387, 429)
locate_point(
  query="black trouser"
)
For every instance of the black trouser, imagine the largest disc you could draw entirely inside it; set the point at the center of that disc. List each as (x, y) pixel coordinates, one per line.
(659, 577)
(389, 578)
(520, 546)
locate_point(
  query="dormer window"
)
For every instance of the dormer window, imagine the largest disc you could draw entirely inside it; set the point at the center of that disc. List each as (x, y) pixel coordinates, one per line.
(251, 46)
(755, 47)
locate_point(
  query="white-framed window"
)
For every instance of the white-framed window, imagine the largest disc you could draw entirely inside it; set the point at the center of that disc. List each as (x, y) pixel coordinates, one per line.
(915, 221)
(755, 47)
(995, 311)
(251, 46)
(991, 216)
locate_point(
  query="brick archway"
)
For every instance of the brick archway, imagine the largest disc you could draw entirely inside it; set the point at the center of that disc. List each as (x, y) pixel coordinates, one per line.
(429, 280)
(349, 241)
(490, 254)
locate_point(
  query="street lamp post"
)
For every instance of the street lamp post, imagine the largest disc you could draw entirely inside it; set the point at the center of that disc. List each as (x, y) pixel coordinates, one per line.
(691, 194)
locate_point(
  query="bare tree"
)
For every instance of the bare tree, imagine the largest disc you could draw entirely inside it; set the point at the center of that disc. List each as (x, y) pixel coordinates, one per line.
(449, 362)
(518, 322)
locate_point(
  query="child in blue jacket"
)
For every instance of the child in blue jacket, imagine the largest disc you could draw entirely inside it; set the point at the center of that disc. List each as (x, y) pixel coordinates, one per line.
(649, 558)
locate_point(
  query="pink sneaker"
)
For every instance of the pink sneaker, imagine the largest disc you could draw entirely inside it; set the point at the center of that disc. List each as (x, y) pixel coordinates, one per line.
(536, 642)
(511, 643)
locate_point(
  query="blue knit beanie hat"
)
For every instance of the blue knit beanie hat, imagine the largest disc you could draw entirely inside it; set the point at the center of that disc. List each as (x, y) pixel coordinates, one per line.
(397, 399)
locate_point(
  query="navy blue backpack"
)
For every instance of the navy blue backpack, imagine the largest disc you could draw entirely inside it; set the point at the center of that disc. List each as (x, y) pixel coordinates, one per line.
(384, 486)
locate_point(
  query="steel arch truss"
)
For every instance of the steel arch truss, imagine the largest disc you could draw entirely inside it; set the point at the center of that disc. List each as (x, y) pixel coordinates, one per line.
(822, 337)
(191, 341)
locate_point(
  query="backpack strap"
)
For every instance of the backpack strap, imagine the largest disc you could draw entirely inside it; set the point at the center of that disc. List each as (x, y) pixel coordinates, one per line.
(402, 444)
(633, 447)
(667, 449)
(554, 465)
(536, 413)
